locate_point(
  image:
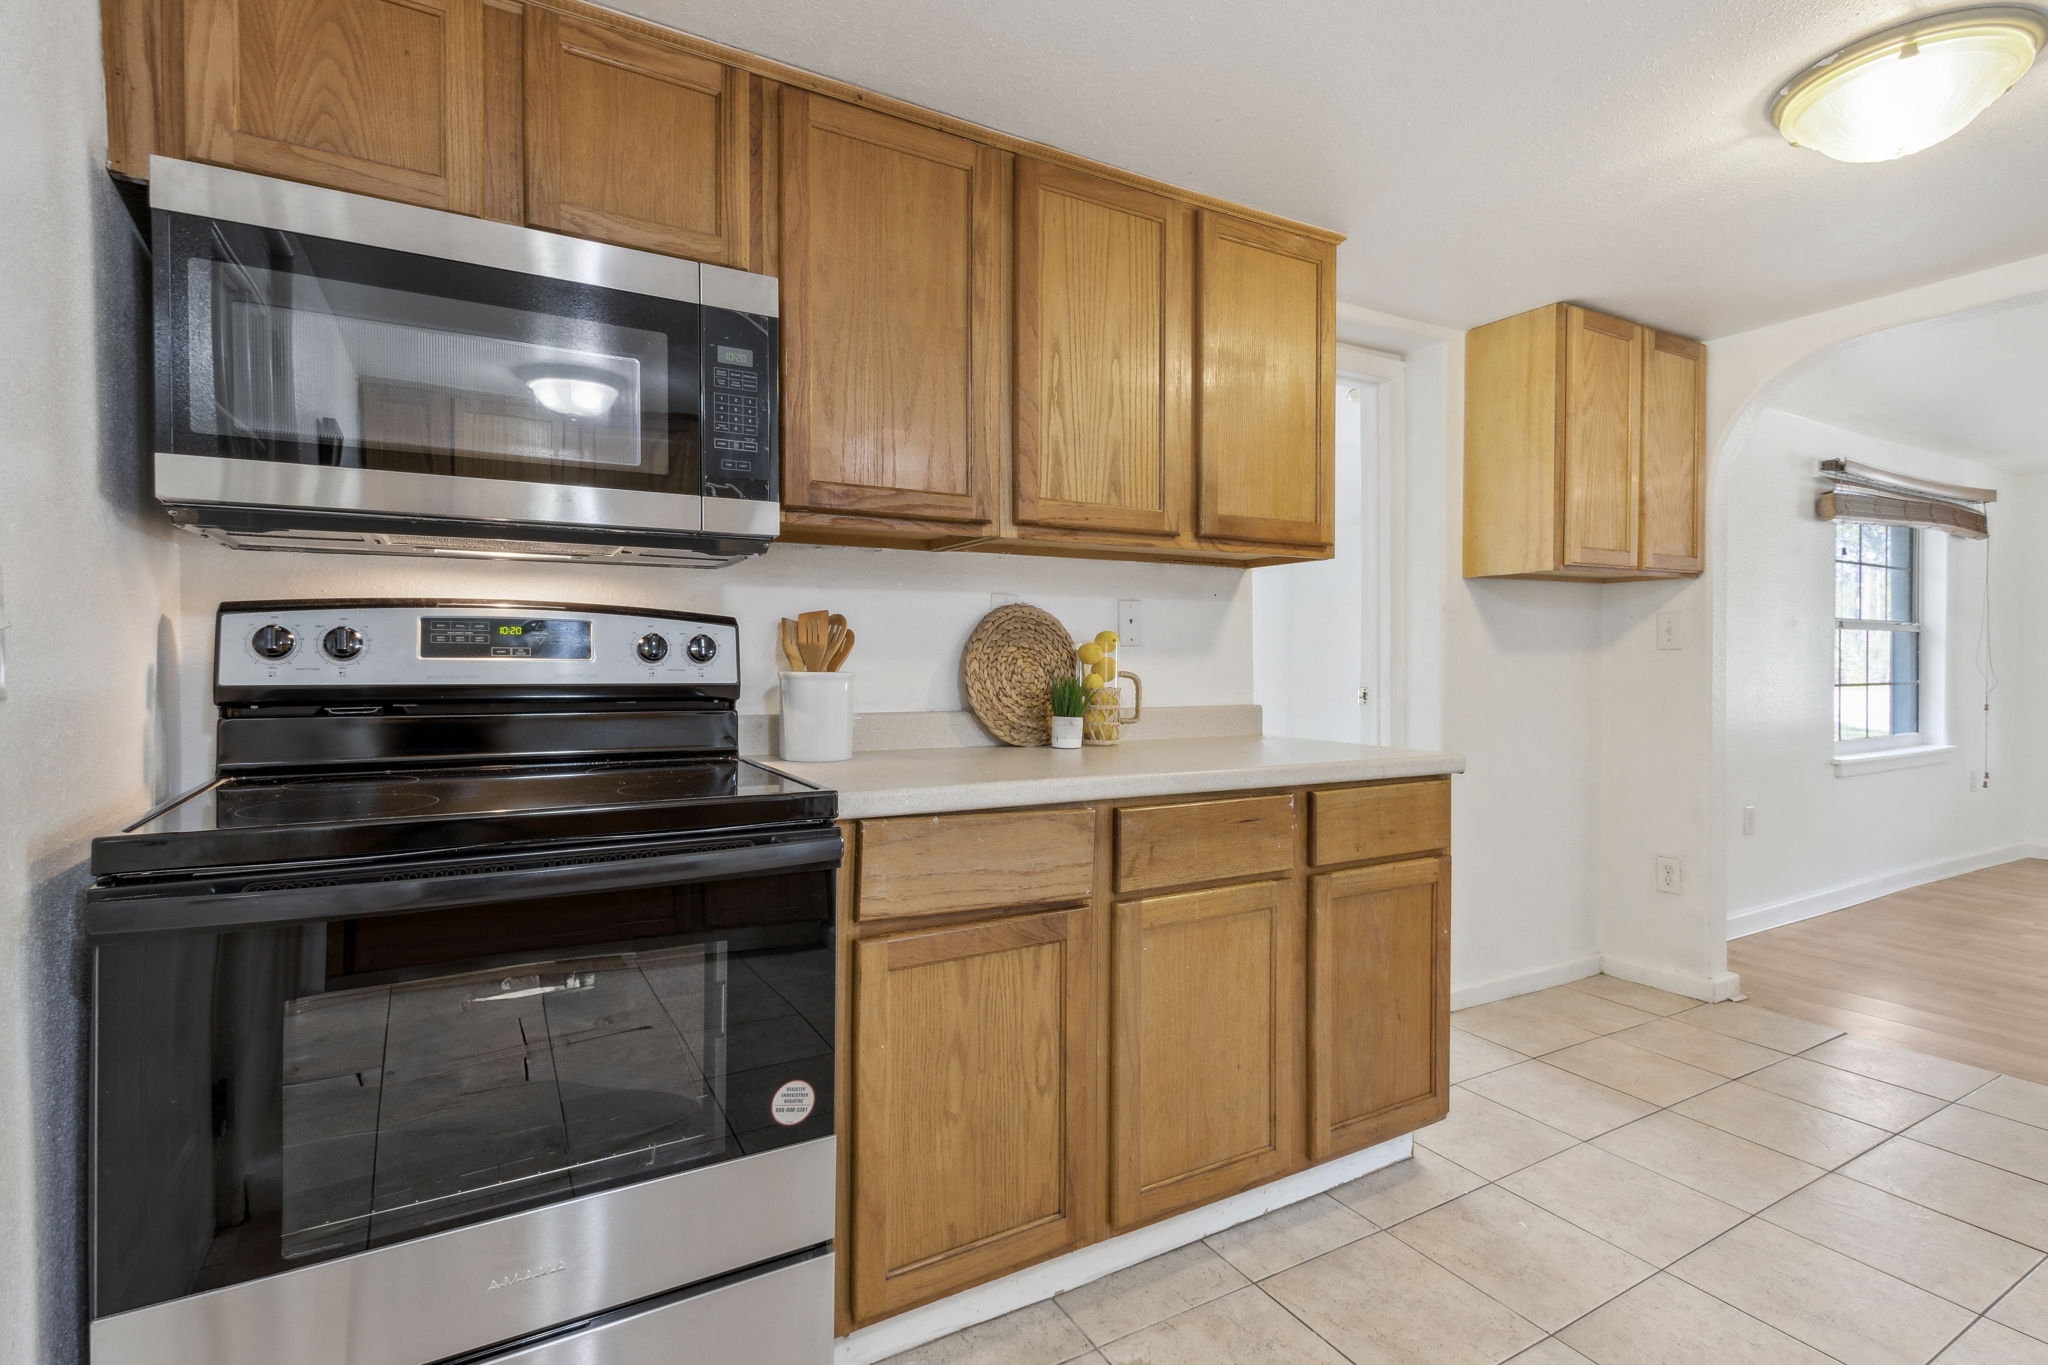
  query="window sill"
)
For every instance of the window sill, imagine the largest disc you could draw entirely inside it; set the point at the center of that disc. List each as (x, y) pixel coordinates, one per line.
(1885, 760)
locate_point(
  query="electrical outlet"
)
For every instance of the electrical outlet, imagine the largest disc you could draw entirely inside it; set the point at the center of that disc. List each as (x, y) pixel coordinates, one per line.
(1670, 878)
(1749, 819)
(1670, 628)
(1128, 631)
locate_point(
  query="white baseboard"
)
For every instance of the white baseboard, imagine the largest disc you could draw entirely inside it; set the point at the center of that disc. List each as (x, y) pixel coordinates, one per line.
(1719, 986)
(1758, 918)
(1521, 983)
(1038, 1282)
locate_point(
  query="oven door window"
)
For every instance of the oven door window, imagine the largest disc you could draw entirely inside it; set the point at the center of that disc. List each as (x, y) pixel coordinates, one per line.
(282, 347)
(271, 1099)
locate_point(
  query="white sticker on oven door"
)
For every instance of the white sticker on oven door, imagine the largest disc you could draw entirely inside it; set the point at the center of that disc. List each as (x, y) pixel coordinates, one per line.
(793, 1103)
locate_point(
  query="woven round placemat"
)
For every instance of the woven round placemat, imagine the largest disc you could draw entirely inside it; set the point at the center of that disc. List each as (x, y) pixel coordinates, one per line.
(1011, 659)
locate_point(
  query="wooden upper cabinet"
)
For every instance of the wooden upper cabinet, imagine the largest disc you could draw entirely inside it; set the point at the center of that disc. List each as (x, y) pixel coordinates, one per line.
(381, 97)
(635, 141)
(1206, 1051)
(974, 1149)
(1602, 441)
(1266, 358)
(1379, 1003)
(895, 288)
(1585, 448)
(1674, 452)
(1104, 335)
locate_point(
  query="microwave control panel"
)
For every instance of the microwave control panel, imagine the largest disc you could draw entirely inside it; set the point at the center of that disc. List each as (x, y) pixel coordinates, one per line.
(739, 400)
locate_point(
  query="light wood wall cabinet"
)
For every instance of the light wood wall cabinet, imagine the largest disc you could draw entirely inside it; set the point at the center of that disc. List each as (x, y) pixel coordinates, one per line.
(1585, 452)
(1178, 999)
(381, 97)
(895, 276)
(1104, 334)
(635, 141)
(1268, 360)
(988, 344)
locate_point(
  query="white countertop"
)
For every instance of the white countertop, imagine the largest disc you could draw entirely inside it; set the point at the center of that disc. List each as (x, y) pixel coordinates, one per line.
(923, 781)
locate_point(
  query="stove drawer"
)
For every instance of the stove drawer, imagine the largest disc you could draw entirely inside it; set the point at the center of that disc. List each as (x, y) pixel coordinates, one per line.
(779, 1316)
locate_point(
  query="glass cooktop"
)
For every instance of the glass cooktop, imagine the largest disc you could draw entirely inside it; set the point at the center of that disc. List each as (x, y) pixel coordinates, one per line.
(243, 819)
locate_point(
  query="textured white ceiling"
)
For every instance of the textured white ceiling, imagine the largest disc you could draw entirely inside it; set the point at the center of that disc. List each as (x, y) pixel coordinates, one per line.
(1975, 385)
(1483, 157)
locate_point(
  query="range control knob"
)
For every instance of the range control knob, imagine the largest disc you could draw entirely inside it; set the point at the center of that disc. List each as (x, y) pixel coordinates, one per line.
(343, 643)
(273, 642)
(652, 648)
(702, 649)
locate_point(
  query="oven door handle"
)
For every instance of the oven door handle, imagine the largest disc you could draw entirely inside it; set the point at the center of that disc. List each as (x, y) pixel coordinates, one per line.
(111, 914)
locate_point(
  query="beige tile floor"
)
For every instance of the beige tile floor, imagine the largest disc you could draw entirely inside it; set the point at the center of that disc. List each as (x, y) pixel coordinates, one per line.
(1627, 1178)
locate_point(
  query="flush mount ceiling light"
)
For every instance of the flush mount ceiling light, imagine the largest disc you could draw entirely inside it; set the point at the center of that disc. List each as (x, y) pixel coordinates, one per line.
(572, 390)
(1908, 87)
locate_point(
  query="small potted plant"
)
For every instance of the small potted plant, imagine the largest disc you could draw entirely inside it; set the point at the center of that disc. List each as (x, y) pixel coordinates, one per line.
(1069, 704)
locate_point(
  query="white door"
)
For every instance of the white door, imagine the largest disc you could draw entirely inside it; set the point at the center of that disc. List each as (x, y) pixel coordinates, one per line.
(1318, 629)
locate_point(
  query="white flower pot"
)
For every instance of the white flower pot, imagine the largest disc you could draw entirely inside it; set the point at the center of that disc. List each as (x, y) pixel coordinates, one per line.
(1066, 732)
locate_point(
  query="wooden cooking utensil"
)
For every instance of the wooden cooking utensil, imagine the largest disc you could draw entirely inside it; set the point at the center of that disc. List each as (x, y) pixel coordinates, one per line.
(790, 654)
(813, 636)
(835, 629)
(840, 650)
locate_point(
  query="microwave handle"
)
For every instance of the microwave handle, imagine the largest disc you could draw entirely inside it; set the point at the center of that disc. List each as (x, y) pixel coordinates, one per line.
(110, 915)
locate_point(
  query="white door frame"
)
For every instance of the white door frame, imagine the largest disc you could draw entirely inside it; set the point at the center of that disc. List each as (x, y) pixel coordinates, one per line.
(1382, 485)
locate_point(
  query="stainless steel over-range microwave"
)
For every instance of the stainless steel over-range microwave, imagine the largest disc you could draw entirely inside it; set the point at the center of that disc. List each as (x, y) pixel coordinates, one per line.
(335, 372)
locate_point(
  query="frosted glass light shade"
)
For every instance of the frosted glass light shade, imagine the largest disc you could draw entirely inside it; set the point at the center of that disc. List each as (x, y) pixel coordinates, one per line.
(1909, 87)
(574, 397)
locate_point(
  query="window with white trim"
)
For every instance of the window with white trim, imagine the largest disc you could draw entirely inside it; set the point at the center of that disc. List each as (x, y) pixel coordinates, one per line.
(1877, 636)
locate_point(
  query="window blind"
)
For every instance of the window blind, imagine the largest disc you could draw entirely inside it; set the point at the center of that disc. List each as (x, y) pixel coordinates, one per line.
(1858, 492)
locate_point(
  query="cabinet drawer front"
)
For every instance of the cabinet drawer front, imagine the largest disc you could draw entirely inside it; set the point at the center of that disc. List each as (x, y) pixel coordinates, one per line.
(936, 864)
(1352, 824)
(1203, 841)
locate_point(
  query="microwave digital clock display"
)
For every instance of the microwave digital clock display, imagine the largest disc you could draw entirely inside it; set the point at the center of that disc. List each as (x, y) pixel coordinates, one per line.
(503, 637)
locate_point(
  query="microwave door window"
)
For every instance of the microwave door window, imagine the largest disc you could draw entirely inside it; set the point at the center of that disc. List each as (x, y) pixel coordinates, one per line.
(363, 375)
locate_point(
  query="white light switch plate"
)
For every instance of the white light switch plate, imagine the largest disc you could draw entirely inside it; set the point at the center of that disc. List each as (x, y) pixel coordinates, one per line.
(1671, 630)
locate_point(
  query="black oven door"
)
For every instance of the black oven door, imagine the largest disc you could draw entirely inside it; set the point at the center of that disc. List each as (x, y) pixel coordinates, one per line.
(293, 1070)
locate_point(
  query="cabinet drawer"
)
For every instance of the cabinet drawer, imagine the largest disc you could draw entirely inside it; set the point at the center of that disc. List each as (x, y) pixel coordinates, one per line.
(1203, 841)
(936, 864)
(1352, 824)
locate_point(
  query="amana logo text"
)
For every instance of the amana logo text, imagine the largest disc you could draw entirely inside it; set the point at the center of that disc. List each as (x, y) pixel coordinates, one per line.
(521, 1277)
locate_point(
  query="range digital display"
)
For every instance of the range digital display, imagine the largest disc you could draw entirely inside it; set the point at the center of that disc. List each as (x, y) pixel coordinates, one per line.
(503, 637)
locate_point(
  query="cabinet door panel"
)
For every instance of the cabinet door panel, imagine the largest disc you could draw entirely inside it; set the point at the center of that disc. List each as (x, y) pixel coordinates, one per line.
(1674, 452)
(894, 279)
(973, 1137)
(633, 141)
(1602, 460)
(1267, 363)
(1206, 1072)
(382, 97)
(1103, 345)
(1379, 985)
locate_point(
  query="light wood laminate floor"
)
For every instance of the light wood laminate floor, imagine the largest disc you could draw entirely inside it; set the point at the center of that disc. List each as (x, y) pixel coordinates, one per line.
(1957, 968)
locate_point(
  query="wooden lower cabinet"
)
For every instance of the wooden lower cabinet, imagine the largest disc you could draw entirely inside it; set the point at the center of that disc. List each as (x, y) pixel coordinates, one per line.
(1180, 999)
(1379, 1003)
(974, 1146)
(1205, 1066)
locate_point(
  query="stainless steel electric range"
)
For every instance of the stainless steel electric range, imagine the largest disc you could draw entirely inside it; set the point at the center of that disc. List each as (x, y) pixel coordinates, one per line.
(480, 1009)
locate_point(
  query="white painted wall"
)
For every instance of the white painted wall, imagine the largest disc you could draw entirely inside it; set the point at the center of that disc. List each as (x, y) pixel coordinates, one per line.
(911, 610)
(1816, 833)
(86, 572)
